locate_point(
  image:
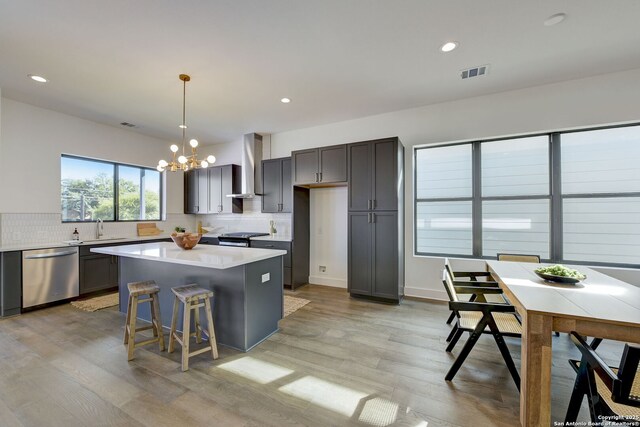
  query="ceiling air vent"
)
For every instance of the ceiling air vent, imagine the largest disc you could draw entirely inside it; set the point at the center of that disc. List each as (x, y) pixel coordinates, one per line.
(479, 71)
(127, 124)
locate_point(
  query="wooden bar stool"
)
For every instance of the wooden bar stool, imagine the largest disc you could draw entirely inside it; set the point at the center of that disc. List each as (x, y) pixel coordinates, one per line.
(193, 297)
(136, 291)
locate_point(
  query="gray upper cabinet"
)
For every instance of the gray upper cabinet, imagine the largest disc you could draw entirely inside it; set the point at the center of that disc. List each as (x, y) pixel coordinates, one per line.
(215, 190)
(305, 166)
(360, 176)
(276, 185)
(373, 175)
(191, 192)
(287, 188)
(205, 190)
(324, 165)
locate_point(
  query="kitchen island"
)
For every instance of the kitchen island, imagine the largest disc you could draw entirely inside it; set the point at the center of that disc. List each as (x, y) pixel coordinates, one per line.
(247, 285)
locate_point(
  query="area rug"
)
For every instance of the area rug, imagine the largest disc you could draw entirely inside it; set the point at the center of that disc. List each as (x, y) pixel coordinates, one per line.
(292, 304)
(97, 303)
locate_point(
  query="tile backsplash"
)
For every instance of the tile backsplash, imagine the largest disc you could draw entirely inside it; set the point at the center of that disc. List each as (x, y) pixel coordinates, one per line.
(252, 219)
(35, 228)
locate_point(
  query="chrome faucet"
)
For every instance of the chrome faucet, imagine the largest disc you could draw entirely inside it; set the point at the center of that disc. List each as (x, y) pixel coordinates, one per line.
(99, 228)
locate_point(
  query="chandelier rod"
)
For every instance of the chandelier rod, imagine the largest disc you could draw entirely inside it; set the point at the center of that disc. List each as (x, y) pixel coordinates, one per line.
(184, 108)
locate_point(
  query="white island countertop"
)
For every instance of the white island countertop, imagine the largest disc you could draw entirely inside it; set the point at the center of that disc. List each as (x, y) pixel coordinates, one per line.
(208, 256)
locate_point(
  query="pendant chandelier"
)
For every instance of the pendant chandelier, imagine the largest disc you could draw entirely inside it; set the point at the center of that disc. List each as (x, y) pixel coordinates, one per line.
(183, 161)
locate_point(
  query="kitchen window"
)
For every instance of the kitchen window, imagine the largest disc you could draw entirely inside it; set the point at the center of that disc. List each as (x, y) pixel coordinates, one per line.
(566, 196)
(95, 189)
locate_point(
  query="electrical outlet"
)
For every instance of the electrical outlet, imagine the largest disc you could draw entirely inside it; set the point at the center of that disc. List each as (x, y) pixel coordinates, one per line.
(266, 277)
(322, 268)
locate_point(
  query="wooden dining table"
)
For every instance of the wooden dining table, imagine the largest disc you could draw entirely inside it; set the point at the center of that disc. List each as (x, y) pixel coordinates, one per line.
(599, 306)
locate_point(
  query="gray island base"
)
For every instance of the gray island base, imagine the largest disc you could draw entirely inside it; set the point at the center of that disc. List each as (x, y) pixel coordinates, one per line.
(248, 298)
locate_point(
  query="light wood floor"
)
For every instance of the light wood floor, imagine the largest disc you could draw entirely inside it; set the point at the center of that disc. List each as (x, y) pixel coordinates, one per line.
(336, 361)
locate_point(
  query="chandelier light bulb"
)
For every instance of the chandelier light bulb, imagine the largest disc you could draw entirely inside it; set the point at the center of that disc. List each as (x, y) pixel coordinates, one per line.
(193, 143)
(163, 163)
(182, 160)
(204, 164)
(174, 148)
(160, 168)
(211, 159)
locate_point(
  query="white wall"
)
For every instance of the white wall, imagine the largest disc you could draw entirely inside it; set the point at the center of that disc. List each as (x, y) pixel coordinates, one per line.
(31, 143)
(604, 99)
(33, 139)
(328, 246)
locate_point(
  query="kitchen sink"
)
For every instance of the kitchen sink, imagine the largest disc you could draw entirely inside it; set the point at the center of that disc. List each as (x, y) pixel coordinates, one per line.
(103, 239)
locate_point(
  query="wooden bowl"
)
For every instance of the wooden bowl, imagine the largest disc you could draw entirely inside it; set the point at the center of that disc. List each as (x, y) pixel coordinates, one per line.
(186, 241)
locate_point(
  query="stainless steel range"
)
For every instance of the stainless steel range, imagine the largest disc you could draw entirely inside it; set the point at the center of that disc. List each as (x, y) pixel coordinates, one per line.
(239, 239)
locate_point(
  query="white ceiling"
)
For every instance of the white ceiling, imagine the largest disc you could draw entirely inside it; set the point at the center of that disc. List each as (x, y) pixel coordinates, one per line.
(119, 60)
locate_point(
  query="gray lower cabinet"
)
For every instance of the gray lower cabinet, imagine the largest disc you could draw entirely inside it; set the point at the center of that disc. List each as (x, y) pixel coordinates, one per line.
(359, 253)
(10, 283)
(286, 260)
(276, 185)
(373, 255)
(325, 165)
(98, 272)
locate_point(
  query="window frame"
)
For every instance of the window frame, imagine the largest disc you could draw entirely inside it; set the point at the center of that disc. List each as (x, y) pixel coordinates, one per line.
(116, 187)
(555, 196)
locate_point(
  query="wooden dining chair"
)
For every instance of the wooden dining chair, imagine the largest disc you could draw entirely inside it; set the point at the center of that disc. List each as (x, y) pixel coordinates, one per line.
(612, 393)
(474, 276)
(479, 318)
(519, 258)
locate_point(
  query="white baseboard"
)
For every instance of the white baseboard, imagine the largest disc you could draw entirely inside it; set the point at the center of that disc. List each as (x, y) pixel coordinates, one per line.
(426, 293)
(328, 281)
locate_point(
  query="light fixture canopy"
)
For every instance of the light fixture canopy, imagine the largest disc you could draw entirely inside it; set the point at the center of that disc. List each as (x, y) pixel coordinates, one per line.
(183, 161)
(448, 46)
(555, 19)
(37, 78)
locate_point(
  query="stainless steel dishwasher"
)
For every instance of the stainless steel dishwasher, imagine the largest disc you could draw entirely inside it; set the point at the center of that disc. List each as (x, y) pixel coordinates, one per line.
(49, 275)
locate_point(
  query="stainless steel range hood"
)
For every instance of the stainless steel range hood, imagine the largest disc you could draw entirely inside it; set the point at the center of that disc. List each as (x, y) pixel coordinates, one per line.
(251, 167)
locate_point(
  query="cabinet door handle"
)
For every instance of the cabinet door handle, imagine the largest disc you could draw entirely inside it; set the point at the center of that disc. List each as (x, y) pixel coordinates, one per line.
(369, 217)
(373, 218)
(373, 204)
(320, 177)
(317, 176)
(369, 204)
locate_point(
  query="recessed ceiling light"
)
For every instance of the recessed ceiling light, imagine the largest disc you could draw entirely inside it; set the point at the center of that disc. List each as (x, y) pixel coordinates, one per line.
(449, 46)
(555, 19)
(38, 79)
(285, 100)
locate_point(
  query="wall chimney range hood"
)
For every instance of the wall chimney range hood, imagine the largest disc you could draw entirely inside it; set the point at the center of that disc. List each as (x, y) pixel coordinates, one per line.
(251, 167)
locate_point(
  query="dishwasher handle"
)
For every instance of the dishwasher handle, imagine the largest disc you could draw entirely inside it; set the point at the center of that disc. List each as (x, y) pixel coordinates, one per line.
(52, 255)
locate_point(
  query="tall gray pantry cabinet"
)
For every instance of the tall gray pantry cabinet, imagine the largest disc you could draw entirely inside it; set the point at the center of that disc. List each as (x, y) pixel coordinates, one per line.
(376, 219)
